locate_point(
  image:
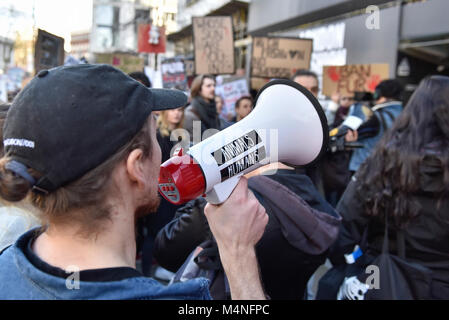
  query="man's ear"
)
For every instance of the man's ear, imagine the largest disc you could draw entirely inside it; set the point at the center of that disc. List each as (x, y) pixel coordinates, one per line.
(135, 169)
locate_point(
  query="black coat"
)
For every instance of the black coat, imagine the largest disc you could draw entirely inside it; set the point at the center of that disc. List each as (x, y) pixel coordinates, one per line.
(294, 243)
(426, 237)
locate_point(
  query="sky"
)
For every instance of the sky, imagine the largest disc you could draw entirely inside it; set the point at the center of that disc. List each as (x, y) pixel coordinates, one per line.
(59, 17)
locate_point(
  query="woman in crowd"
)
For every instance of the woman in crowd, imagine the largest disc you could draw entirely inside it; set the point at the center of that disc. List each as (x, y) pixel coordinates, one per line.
(169, 121)
(406, 183)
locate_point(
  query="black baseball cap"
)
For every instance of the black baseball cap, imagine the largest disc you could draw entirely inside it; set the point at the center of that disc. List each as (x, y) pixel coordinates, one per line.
(69, 120)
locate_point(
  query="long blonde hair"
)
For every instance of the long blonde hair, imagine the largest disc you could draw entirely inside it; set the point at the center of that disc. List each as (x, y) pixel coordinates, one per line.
(164, 126)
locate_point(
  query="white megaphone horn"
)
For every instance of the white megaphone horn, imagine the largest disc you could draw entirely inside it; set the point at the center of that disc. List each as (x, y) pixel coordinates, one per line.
(287, 125)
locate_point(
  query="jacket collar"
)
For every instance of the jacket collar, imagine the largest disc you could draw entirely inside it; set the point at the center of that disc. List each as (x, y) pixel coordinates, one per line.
(387, 104)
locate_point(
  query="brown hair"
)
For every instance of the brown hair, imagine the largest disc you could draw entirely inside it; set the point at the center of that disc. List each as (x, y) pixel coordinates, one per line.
(198, 83)
(237, 103)
(86, 195)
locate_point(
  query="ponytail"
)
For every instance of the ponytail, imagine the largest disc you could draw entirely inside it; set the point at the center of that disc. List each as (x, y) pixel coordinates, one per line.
(13, 188)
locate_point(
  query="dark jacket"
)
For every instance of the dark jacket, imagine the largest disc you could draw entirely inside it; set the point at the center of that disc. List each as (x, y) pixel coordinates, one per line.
(426, 237)
(301, 228)
(166, 146)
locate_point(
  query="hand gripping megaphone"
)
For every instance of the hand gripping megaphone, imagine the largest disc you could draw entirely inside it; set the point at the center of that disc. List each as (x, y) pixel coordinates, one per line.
(287, 125)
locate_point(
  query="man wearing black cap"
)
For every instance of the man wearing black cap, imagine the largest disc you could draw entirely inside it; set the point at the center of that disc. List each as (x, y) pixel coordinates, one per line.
(81, 145)
(387, 97)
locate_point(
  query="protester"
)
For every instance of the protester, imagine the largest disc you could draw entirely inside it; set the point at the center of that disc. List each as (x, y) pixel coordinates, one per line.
(308, 79)
(14, 219)
(405, 181)
(219, 103)
(388, 106)
(169, 131)
(84, 149)
(202, 107)
(243, 107)
(168, 122)
(335, 164)
(344, 104)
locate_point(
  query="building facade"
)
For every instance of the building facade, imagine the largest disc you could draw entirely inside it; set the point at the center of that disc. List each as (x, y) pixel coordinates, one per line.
(411, 36)
(80, 43)
(115, 23)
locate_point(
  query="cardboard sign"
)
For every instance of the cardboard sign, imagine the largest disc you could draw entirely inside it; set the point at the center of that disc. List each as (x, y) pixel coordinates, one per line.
(353, 78)
(126, 62)
(151, 39)
(49, 51)
(279, 57)
(231, 90)
(214, 45)
(174, 74)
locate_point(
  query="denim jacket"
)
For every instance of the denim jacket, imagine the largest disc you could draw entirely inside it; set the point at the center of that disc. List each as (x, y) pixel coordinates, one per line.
(21, 280)
(360, 155)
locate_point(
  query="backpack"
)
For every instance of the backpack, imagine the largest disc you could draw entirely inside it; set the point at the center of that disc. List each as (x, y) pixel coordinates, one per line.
(385, 277)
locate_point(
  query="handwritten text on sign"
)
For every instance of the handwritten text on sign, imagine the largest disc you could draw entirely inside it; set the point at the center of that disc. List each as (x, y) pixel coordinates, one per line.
(280, 57)
(353, 78)
(214, 45)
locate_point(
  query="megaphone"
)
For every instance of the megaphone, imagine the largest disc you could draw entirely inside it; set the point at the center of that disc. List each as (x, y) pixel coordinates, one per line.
(287, 125)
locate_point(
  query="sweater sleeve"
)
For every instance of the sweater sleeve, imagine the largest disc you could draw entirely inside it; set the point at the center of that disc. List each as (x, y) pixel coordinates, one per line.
(182, 235)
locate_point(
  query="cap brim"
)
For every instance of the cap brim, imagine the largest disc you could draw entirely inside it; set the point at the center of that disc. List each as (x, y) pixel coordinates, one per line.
(164, 99)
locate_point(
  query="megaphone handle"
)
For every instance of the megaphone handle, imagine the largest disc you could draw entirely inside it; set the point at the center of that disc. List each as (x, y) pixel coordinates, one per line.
(221, 192)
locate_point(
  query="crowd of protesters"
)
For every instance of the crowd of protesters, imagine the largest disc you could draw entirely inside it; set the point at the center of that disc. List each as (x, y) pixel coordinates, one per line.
(79, 173)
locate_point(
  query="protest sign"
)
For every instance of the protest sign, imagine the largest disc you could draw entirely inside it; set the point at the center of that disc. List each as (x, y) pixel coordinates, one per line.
(279, 57)
(49, 51)
(231, 90)
(126, 62)
(214, 45)
(353, 78)
(174, 74)
(151, 39)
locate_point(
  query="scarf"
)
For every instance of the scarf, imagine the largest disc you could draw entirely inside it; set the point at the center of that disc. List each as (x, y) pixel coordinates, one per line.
(207, 112)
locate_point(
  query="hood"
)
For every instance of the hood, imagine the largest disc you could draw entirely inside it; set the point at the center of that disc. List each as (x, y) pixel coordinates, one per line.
(305, 228)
